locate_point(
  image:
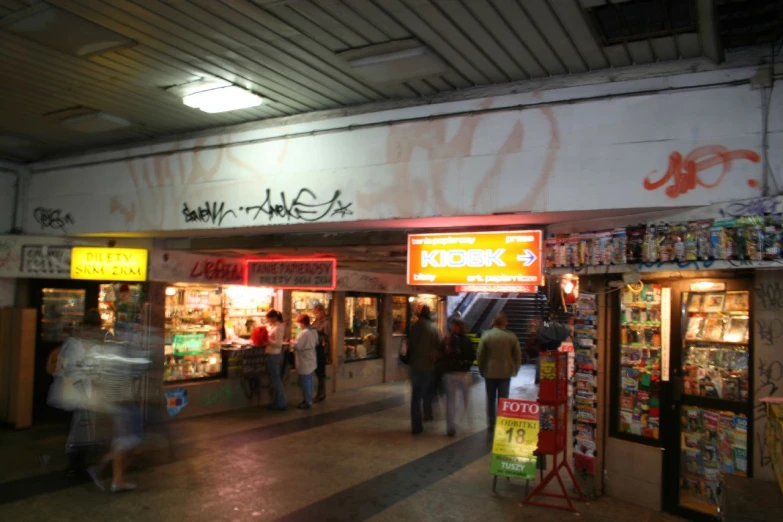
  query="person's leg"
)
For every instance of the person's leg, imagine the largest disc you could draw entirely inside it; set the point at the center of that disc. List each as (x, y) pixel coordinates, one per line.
(307, 390)
(417, 394)
(429, 395)
(504, 388)
(274, 363)
(492, 391)
(320, 355)
(452, 382)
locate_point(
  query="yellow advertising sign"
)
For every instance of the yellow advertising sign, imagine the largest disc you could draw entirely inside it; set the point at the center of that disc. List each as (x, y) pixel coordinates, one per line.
(109, 264)
(515, 437)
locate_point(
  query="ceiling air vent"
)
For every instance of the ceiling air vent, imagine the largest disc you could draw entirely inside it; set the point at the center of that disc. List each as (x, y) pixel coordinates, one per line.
(394, 62)
(643, 19)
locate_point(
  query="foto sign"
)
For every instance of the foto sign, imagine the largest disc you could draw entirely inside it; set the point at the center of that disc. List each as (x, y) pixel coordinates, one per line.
(316, 274)
(475, 258)
(109, 264)
(516, 439)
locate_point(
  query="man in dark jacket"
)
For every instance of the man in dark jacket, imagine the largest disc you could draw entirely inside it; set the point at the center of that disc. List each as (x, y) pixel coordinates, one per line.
(423, 344)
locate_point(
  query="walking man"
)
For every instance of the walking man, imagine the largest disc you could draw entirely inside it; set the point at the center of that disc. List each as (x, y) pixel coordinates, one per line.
(499, 359)
(423, 345)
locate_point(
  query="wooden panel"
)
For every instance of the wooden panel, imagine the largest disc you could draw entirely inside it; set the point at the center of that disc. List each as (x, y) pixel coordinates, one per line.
(336, 26)
(530, 36)
(489, 17)
(286, 14)
(689, 45)
(435, 18)
(664, 48)
(617, 55)
(573, 20)
(189, 37)
(133, 27)
(476, 32)
(548, 25)
(340, 11)
(17, 348)
(421, 88)
(468, 74)
(248, 45)
(270, 29)
(641, 52)
(379, 19)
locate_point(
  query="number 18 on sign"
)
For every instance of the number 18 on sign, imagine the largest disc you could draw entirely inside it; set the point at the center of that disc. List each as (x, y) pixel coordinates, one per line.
(516, 439)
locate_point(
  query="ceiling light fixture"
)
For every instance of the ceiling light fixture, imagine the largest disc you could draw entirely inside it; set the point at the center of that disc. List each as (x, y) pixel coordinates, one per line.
(223, 99)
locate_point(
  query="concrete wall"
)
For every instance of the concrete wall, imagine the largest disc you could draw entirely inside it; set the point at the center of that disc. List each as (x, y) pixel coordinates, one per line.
(768, 360)
(634, 473)
(529, 156)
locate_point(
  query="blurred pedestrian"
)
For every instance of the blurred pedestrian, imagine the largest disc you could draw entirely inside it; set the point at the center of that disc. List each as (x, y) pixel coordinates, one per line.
(455, 360)
(499, 359)
(274, 359)
(424, 342)
(323, 326)
(118, 362)
(304, 348)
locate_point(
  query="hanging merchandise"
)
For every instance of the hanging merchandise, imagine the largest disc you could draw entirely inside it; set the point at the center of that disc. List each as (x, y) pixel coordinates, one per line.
(747, 238)
(586, 389)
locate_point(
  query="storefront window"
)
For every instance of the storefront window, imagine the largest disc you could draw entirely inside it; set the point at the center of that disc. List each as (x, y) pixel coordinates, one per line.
(193, 332)
(245, 307)
(400, 313)
(361, 328)
(305, 303)
(120, 308)
(61, 311)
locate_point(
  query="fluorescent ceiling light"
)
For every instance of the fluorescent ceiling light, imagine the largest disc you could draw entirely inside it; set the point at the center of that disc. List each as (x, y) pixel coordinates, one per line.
(395, 62)
(223, 99)
(389, 57)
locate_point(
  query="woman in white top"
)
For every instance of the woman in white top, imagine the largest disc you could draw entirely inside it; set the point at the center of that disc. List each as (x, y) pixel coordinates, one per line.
(274, 359)
(306, 363)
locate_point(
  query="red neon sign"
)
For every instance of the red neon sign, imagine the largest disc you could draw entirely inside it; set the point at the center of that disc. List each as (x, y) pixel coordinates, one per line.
(499, 289)
(315, 273)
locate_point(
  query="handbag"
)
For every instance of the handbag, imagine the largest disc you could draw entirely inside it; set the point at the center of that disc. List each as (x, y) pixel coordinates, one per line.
(64, 395)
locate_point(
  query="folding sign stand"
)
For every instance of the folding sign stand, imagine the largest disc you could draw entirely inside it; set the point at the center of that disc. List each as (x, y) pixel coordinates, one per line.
(553, 401)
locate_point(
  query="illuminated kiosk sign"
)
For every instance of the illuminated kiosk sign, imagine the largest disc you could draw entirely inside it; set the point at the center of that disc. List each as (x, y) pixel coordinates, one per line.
(498, 289)
(476, 258)
(313, 273)
(109, 264)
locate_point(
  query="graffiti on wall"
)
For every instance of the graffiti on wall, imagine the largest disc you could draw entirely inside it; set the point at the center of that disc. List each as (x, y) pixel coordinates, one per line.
(752, 207)
(684, 174)
(53, 219)
(304, 206)
(768, 364)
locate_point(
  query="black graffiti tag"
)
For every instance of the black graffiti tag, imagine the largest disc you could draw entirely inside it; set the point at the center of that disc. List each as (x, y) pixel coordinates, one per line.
(53, 218)
(305, 206)
(771, 296)
(213, 213)
(770, 330)
(770, 375)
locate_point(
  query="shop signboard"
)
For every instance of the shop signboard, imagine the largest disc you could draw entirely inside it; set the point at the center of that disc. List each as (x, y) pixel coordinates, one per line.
(109, 264)
(516, 439)
(50, 261)
(185, 267)
(305, 273)
(499, 289)
(475, 258)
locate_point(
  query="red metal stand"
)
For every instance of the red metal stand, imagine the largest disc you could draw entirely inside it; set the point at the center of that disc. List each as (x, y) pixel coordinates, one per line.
(553, 397)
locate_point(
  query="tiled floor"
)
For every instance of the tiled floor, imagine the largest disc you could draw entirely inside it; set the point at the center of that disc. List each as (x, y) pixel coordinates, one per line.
(351, 458)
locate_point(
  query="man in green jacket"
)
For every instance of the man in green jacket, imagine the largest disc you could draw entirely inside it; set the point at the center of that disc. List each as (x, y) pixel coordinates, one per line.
(499, 359)
(423, 344)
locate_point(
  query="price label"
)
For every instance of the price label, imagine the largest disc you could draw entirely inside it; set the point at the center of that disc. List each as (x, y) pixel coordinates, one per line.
(515, 437)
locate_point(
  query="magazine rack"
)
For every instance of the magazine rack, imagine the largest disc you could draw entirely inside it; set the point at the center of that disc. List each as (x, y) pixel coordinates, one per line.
(552, 437)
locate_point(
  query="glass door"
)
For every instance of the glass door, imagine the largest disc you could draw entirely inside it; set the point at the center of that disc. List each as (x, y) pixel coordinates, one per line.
(714, 404)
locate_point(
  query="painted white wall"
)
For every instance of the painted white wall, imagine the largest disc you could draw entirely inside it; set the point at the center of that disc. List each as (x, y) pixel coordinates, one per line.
(563, 156)
(7, 195)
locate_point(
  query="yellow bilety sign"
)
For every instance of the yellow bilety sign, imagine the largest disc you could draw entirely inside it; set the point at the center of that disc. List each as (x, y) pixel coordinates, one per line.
(109, 264)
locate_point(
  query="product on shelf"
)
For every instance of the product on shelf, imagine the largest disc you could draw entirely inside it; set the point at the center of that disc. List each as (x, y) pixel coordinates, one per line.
(640, 362)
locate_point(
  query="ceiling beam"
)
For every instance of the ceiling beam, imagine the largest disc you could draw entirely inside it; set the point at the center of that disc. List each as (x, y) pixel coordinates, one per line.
(709, 30)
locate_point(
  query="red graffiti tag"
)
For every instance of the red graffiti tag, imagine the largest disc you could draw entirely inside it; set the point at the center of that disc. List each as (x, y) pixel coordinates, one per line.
(218, 270)
(684, 172)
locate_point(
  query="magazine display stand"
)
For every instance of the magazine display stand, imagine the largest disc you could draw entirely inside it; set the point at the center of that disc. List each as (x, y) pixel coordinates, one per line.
(552, 439)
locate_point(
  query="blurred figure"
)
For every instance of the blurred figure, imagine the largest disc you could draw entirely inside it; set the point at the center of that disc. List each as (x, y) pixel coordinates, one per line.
(118, 362)
(323, 326)
(424, 342)
(274, 359)
(72, 389)
(455, 360)
(532, 348)
(499, 359)
(304, 348)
